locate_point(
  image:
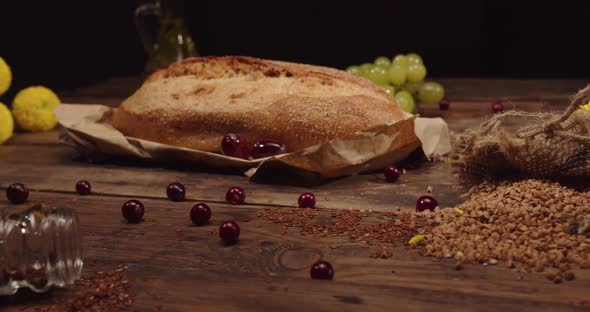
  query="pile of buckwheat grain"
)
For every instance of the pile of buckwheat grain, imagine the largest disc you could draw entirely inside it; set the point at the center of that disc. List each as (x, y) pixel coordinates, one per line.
(536, 223)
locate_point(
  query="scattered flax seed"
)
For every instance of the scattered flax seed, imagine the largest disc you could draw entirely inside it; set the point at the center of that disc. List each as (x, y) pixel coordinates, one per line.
(524, 223)
(368, 227)
(429, 189)
(101, 291)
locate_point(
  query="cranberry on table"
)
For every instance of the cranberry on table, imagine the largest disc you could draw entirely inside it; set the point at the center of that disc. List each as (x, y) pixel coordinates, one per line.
(497, 107)
(235, 195)
(426, 203)
(200, 214)
(83, 187)
(17, 193)
(444, 104)
(322, 270)
(229, 232)
(268, 147)
(392, 173)
(133, 210)
(176, 191)
(234, 146)
(306, 200)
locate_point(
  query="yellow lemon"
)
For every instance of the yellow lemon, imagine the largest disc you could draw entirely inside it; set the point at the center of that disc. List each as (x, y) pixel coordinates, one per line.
(6, 123)
(586, 107)
(5, 76)
(33, 108)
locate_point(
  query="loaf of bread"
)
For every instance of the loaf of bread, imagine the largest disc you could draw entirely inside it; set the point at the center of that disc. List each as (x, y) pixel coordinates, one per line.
(194, 103)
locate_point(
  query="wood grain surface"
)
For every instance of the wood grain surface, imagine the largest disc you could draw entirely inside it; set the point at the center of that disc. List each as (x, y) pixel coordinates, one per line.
(175, 266)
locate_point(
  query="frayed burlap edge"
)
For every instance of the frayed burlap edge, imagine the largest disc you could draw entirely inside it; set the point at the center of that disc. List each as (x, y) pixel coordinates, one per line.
(550, 146)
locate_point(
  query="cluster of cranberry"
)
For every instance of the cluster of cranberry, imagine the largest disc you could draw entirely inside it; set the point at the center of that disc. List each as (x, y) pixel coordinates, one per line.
(229, 231)
(235, 146)
(392, 174)
(200, 214)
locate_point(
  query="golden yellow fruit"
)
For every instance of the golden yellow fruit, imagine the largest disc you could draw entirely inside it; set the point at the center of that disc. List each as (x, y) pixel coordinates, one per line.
(5, 76)
(416, 239)
(6, 123)
(33, 109)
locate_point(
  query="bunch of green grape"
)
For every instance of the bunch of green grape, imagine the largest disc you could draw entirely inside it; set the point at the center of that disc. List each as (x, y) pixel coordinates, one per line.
(403, 78)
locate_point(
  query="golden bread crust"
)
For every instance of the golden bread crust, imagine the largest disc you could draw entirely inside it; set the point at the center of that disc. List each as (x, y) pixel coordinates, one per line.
(195, 102)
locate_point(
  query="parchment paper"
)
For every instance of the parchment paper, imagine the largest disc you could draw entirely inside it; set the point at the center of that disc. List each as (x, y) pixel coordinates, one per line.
(87, 128)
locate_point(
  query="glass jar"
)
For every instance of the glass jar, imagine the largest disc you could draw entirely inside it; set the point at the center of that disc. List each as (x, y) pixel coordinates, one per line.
(39, 248)
(164, 33)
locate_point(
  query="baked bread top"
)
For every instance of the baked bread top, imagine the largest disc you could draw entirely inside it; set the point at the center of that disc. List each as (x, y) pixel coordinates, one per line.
(195, 102)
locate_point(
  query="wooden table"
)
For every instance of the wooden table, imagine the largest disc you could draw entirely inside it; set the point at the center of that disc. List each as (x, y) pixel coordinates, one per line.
(178, 267)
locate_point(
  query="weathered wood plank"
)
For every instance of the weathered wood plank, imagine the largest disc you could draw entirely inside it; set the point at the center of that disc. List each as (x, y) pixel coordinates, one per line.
(51, 168)
(179, 267)
(36, 160)
(182, 267)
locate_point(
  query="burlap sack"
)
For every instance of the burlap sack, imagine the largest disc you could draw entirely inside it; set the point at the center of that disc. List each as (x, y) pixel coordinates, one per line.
(544, 145)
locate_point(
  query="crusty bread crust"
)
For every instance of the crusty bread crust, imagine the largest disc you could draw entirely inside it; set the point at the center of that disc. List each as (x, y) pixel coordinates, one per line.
(195, 102)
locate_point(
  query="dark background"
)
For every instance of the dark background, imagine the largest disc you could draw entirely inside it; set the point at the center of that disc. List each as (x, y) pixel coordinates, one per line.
(68, 44)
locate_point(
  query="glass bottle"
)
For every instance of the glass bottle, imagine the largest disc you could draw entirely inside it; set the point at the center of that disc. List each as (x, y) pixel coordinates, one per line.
(39, 248)
(163, 33)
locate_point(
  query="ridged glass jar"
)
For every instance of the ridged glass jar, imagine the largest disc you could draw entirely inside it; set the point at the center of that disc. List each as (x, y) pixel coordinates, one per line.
(39, 248)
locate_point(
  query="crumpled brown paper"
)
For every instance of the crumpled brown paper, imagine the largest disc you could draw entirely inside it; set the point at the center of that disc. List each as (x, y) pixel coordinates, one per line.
(87, 128)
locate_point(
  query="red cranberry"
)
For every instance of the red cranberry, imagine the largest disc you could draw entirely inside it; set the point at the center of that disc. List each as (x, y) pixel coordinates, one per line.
(426, 203)
(234, 146)
(175, 191)
(444, 104)
(306, 200)
(200, 214)
(83, 187)
(497, 107)
(132, 211)
(235, 195)
(322, 270)
(17, 193)
(392, 173)
(229, 232)
(267, 147)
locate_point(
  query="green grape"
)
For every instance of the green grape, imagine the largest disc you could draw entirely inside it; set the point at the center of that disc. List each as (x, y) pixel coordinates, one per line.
(365, 68)
(400, 59)
(431, 92)
(405, 101)
(416, 72)
(397, 74)
(389, 89)
(354, 70)
(414, 58)
(412, 87)
(378, 75)
(382, 61)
